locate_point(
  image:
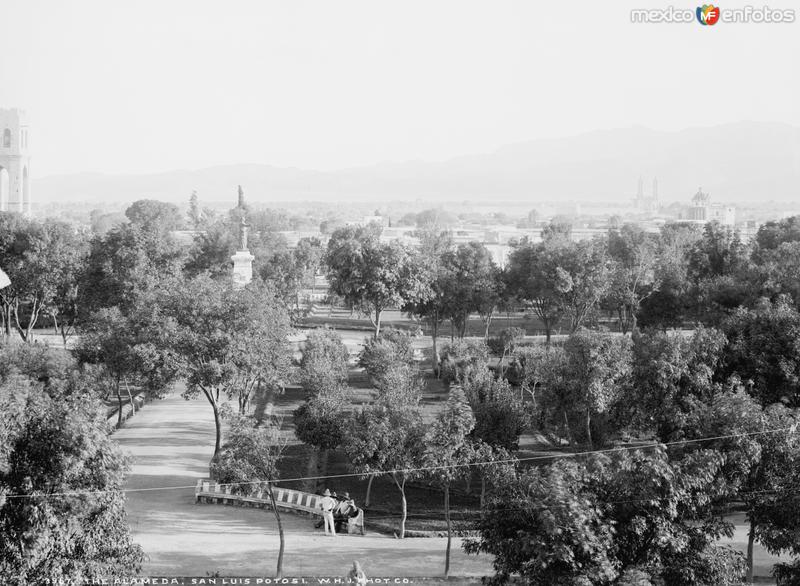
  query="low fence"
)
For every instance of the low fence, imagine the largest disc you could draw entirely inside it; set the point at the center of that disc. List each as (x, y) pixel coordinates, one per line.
(286, 499)
(128, 411)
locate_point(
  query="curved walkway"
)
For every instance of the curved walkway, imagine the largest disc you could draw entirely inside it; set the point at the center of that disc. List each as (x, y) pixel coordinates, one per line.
(171, 442)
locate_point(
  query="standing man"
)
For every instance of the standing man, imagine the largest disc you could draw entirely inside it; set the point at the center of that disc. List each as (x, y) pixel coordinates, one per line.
(328, 504)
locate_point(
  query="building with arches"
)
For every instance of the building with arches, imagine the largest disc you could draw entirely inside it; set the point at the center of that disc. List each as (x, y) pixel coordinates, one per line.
(15, 162)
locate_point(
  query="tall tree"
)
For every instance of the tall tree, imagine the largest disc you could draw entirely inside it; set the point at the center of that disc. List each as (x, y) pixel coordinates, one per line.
(370, 275)
(381, 439)
(213, 325)
(432, 302)
(250, 456)
(130, 349)
(449, 452)
(594, 373)
(535, 277)
(323, 374)
(195, 213)
(472, 285)
(633, 253)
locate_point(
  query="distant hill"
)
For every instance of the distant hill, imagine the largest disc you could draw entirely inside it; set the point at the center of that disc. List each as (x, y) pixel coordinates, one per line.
(747, 162)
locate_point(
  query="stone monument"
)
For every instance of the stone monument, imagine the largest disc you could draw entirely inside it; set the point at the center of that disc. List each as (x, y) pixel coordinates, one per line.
(242, 260)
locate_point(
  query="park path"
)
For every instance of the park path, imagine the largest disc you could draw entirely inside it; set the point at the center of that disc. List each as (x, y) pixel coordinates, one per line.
(171, 442)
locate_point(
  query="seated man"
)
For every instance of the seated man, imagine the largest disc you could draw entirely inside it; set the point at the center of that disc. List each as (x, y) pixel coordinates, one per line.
(345, 509)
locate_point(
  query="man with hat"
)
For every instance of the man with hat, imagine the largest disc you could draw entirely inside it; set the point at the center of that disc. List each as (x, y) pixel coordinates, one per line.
(327, 503)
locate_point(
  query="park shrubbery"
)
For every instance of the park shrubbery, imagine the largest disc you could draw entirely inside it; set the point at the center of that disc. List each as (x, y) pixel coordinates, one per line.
(721, 396)
(54, 440)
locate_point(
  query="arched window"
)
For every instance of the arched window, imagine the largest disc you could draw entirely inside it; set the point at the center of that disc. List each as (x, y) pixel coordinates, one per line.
(7, 138)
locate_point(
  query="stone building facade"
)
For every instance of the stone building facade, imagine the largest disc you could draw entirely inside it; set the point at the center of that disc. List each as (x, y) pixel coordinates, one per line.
(15, 162)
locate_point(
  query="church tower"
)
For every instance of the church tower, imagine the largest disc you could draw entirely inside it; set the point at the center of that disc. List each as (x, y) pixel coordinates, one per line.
(15, 162)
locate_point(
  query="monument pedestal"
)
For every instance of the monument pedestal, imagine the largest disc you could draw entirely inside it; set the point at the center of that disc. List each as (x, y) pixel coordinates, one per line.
(242, 268)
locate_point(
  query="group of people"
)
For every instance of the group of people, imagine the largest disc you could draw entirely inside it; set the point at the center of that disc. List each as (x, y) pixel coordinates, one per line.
(336, 511)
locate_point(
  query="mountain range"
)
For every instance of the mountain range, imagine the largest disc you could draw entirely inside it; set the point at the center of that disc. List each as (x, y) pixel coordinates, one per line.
(744, 163)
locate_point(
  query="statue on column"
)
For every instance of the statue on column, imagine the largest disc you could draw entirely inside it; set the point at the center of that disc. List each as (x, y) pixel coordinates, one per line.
(243, 228)
(243, 225)
(242, 260)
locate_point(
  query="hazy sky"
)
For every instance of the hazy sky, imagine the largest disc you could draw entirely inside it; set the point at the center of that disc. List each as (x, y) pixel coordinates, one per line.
(124, 86)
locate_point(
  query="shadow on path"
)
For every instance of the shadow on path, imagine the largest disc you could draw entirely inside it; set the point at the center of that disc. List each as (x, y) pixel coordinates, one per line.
(172, 441)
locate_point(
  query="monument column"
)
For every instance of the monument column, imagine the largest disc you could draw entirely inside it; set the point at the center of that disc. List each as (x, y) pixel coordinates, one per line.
(242, 260)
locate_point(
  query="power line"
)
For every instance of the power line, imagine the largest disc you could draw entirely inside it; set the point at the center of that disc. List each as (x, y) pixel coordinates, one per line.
(376, 473)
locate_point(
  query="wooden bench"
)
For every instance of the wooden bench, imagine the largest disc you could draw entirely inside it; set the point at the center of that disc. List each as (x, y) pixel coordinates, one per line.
(286, 499)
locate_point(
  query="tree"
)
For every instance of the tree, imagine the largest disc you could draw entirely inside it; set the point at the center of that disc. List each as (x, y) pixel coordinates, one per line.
(547, 530)
(449, 451)
(227, 340)
(634, 255)
(671, 303)
(500, 417)
(670, 374)
(324, 364)
(764, 346)
(320, 422)
(718, 266)
(381, 439)
(309, 255)
(154, 216)
(109, 341)
(43, 261)
(130, 350)
(249, 457)
(212, 249)
(774, 272)
(369, 275)
(535, 276)
(615, 516)
(195, 214)
(323, 374)
(432, 301)
(464, 360)
(584, 279)
(124, 263)
(595, 372)
(509, 340)
(260, 349)
(762, 459)
(51, 446)
(533, 366)
(471, 285)
(772, 234)
(380, 354)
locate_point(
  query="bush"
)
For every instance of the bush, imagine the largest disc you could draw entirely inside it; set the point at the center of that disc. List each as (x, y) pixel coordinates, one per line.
(462, 359)
(35, 361)
(391, 349)
(324, 362)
